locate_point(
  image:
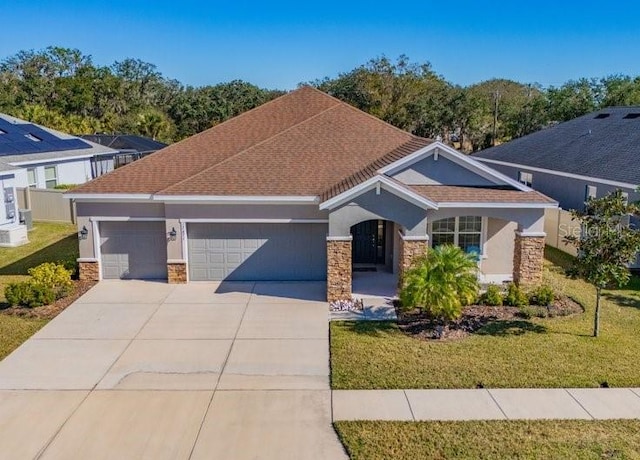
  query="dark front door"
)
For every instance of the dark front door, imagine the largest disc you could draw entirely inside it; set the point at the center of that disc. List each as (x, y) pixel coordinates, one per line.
(366, 239)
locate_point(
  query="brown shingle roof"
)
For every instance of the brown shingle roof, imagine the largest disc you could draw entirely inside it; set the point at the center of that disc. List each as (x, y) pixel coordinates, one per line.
(302, 143)
(456, 194)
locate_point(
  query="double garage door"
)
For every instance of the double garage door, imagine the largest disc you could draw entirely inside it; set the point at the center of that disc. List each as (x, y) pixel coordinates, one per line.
(257, 252)
(238, 252)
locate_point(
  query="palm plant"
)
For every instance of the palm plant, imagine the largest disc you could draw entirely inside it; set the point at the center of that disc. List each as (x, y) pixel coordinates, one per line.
(441, 282)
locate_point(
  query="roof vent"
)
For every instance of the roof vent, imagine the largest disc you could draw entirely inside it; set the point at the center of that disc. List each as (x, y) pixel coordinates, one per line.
(601, 116)
(632, 116)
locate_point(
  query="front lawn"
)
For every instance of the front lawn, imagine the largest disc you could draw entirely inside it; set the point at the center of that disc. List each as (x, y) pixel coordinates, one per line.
(567, 439)
(48, 242)
(554, 352)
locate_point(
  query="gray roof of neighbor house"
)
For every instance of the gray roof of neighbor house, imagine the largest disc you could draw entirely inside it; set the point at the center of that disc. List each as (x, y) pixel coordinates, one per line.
(603, 144)
(126, 142)
(25, 142)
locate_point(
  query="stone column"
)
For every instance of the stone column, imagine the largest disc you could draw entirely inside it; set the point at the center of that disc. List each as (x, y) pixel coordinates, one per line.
(176, 272)
(338, 268)
(411, 248)
(88, 270)
(528, 256)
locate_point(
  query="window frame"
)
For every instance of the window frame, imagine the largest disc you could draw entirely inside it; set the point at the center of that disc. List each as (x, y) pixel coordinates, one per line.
(456, 233)
(46, 181)
(588, 192)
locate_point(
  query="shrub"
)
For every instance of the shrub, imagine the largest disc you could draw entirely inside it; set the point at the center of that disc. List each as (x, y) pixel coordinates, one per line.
(441, 282)
(542, 295)
(52, 276)
(65, 186)
(29, 294)
(515, 296)
(492, 296)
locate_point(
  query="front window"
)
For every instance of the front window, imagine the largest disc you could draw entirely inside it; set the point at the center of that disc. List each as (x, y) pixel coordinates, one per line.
(31, 178)
(50, 177)
(526, 178)
(464, 232)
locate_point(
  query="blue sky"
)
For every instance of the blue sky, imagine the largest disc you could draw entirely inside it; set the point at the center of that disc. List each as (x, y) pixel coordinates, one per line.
(280, 44)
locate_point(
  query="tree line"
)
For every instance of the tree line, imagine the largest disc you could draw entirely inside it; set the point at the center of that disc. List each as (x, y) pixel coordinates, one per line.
(64, 89)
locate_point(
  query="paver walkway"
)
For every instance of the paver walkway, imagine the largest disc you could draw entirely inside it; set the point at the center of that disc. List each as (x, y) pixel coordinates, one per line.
(483, 404)
(141, 370)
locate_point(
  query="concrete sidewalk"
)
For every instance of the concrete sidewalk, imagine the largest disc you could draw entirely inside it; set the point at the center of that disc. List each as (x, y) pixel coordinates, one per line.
(493, 404)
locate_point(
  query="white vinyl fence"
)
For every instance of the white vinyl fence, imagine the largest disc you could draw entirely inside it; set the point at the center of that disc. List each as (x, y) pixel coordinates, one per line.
(557, 226)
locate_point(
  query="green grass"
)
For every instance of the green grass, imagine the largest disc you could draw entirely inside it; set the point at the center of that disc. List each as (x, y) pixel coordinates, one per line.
(568, 439)
(555, 352)
(48, 242)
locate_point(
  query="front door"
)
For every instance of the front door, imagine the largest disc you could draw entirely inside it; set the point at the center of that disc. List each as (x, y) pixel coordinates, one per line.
(367, 238)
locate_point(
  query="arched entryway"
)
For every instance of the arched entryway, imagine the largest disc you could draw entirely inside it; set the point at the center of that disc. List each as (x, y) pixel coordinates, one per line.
(374, 267)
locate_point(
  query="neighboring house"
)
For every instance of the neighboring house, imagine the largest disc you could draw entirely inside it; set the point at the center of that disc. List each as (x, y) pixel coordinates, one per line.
(11, 232)
(46, 158)
(130, 147)
(303, 188)
(588, 156)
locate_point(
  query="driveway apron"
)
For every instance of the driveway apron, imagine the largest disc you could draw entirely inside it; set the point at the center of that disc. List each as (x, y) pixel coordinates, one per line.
(141, 370)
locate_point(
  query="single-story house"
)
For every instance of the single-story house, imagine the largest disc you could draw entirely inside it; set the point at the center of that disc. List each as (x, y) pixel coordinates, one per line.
(11, 232)
(45, 157)
(130, 147)
(588, 156)
(304, 187)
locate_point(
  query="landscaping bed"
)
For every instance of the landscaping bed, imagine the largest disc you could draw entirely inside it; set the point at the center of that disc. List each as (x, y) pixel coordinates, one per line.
(475, 317)
(48, 312)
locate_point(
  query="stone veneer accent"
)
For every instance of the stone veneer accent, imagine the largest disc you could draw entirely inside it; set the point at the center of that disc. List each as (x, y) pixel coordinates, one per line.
(410, 250)
(89, 271)
(528, 255)
(338, 270)
(177, 272)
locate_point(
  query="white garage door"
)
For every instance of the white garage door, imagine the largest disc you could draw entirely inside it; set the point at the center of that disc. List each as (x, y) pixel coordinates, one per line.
(254, 252)
(133, 250)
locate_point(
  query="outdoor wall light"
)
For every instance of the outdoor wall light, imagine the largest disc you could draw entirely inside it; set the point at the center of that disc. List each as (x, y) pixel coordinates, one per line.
(82, 234)
(173, 234)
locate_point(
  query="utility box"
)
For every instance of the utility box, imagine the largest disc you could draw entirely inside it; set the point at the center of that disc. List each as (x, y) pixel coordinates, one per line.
(26, 218)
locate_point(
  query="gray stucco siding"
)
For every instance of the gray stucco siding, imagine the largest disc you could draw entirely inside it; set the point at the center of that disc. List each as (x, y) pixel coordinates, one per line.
(385, 206)
(569, 192)
(442, 171)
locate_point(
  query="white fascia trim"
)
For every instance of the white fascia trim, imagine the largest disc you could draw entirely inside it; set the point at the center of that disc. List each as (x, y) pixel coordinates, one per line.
(87, 259)
(109, 196)
(561, 174)
(340, 238)
(42, 161)
(256, 221)
(458, 158)
(177, 261)
(387, 184)
(239, 199)
(532, 234)
(125, 219)
(471, 204)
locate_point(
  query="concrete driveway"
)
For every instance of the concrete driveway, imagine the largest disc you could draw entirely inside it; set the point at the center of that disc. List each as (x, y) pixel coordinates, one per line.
(148, 370)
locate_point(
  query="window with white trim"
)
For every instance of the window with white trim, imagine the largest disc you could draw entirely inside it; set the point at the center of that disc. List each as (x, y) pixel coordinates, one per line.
(464, 232)
(32, 178)
(50, 177)
(590, 192)
(525, 178)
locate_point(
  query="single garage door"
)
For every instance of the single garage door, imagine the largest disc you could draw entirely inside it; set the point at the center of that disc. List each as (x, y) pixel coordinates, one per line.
(257, 252)
(133, 250)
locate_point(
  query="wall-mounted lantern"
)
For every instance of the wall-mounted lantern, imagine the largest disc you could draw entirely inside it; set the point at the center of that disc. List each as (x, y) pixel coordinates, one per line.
(82, 234)
(173, 234)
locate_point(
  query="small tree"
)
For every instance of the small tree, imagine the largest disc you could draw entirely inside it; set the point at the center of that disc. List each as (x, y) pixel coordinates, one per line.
(441, 282)
(606, 245)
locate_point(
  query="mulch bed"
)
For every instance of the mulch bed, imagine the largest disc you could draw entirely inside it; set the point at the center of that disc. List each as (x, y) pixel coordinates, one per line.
(51, 311)
(475, 317)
